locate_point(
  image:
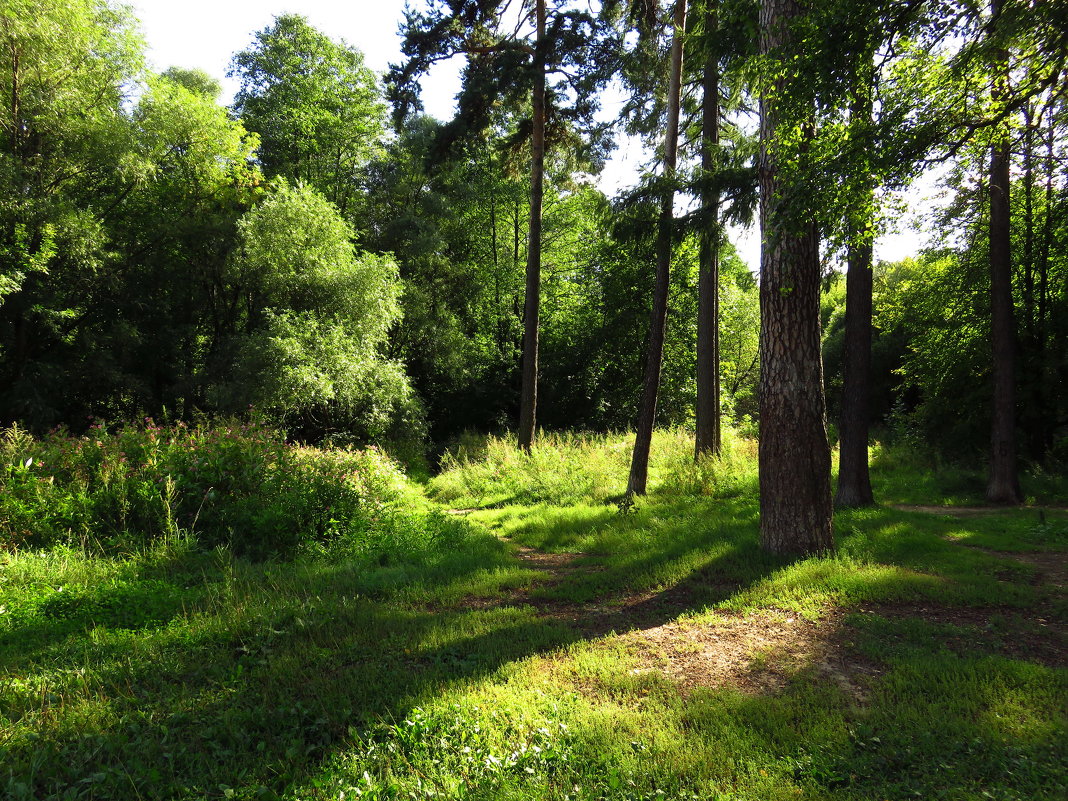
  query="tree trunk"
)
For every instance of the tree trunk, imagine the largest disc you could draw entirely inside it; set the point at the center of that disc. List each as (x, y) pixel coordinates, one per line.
(1003, 485)
(854, 481)
(532, 303)
(708, 437)
(794, 457)
(639, 466)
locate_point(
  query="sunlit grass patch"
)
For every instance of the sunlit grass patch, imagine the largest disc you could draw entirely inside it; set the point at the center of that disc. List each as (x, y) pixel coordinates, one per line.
(467, 668)
(565, 469)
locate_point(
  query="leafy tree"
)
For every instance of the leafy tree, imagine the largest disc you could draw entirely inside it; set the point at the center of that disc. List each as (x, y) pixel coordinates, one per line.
(315, 106)
(315, 313)
(64, 147)
(195, 80)
(172, 233)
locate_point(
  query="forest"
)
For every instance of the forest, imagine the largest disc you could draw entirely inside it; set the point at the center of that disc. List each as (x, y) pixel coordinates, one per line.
(348, 452)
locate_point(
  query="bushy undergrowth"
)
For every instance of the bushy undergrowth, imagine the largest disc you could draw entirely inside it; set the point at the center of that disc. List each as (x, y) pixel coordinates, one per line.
(233, 485)
(906, 472)
(592, 468)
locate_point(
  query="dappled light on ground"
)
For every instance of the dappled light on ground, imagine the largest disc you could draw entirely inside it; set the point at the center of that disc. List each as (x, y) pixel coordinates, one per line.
(529, 650)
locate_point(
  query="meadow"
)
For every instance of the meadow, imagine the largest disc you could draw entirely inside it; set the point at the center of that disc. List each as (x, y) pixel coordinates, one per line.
(214, 613)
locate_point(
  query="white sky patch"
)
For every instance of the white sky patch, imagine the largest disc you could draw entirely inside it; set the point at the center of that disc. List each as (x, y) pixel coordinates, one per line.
(205, 34)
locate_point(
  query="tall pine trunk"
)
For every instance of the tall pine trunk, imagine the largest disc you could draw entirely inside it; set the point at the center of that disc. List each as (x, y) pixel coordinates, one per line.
(708, 435)
(794, 457)
(854, 481)
(639, 466)
(1003, 485)
(532, 304)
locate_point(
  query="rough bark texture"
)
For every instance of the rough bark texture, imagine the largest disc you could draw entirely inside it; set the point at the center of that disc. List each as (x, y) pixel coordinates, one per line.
(795, 460)
(532, 305)
(639, 465)
(854, 481)
(1003, 485)
(708, 436)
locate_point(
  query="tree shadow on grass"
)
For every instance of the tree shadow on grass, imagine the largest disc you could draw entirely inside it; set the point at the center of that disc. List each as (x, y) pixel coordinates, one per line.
(249, 687)
(260, 681)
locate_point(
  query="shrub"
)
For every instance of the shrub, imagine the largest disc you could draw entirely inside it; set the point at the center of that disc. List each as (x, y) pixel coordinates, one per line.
(232, 485)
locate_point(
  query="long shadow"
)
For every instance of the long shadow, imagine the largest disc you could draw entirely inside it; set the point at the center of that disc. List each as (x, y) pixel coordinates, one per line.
(258, 699)
(252, 703)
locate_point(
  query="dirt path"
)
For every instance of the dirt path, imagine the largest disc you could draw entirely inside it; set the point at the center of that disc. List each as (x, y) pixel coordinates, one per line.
(761, 651)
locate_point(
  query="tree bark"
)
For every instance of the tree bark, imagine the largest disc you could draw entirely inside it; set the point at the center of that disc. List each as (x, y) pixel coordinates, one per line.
(639, 466)
(854, 481)
(794, 457)
(1003, 485)
(532, 302)
(708, 437)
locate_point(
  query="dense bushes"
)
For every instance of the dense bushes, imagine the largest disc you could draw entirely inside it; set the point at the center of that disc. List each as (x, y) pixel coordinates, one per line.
(234, 485)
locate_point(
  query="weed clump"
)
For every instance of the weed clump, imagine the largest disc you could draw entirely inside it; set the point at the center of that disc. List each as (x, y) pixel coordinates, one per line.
(565, 469)
(234, 485)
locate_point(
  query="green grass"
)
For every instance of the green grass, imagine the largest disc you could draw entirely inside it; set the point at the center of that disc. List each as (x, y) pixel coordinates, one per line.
(442, 669)
(903, 475)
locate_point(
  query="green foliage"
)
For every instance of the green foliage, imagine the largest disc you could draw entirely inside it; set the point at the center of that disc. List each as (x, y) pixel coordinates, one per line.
(560, 469)
(564, 468)
(319, 314)
(314, 104)
(233, 485)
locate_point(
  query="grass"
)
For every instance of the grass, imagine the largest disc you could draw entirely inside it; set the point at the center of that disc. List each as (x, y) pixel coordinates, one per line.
(910, 664)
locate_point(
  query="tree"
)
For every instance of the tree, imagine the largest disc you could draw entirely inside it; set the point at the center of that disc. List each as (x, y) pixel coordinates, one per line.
(528, 402)
(552, 54)
(794, 456)
(314, 313)
(639, 466)
(854, 481)
(315, 106)
(64, 165)
(707, 428)
(1003, 485)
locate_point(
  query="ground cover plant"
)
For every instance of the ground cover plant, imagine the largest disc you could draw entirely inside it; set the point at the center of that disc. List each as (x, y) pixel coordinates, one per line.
(233, 484)
(531, 649)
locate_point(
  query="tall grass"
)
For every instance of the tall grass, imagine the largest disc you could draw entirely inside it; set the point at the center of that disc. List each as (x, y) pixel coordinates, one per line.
(229, 484)
(566, 468)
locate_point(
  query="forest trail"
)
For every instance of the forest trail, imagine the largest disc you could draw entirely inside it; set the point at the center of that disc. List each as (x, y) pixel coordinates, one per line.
(972, 511)
(760, 651)
(1051, 566)
(755, 652)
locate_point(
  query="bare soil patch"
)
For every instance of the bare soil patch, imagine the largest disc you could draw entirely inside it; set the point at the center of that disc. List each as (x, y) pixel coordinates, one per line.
(1052, 567)
(762, 652)
(558, 564)
(1020, 634)
(757, 653)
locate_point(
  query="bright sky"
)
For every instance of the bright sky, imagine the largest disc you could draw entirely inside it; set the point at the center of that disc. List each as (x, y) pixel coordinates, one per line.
(206, 33)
